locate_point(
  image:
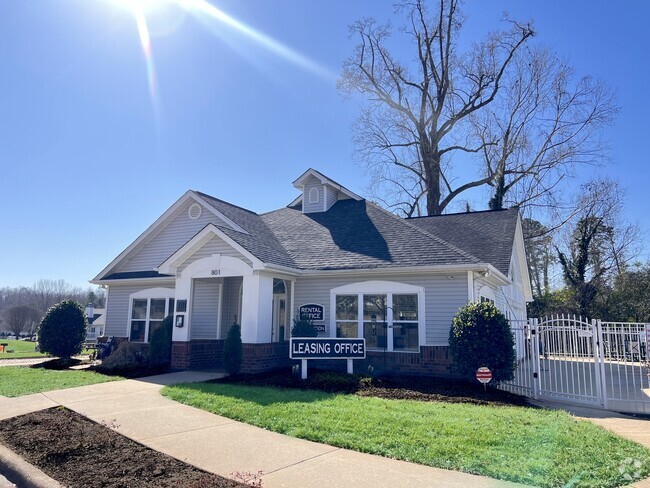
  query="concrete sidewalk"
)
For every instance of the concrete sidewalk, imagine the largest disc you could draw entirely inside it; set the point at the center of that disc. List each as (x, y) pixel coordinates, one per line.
(224, 446)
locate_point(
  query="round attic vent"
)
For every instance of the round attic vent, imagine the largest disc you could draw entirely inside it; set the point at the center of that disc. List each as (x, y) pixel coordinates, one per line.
(195, 211)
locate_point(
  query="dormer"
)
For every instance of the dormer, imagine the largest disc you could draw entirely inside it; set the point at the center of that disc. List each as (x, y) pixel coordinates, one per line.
(318, 192)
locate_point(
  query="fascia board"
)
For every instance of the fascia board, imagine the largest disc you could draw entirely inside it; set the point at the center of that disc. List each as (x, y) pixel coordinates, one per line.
(414, 270)
(523, 261)
(150, 230)
(134, 281)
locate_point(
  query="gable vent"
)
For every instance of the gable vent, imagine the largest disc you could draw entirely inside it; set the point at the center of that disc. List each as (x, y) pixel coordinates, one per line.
(195, 211)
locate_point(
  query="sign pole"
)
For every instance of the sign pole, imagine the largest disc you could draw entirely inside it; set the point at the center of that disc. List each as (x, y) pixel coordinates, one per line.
(350, 367)
(303, 369)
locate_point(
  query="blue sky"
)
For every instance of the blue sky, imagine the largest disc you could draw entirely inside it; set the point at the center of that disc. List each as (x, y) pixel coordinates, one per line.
(89, 159)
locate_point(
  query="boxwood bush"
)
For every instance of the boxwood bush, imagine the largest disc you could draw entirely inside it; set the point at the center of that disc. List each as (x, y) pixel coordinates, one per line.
(480, 335)
(62, 331)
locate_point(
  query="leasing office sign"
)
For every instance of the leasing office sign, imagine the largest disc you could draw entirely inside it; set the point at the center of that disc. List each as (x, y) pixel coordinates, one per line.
(315, 348)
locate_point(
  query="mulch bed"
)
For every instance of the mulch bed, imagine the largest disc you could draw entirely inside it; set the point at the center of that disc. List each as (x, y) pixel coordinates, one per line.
(78, 452)
(391, 387)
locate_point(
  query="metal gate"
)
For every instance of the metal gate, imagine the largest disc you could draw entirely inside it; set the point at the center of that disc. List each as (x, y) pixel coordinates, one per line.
(587, 362)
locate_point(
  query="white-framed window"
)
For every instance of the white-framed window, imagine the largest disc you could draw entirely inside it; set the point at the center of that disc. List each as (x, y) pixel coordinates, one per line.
(147, 309)
(389, 315)
(313, 195)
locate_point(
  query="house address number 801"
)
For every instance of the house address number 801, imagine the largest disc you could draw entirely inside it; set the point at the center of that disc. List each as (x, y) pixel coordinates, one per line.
(215, 272)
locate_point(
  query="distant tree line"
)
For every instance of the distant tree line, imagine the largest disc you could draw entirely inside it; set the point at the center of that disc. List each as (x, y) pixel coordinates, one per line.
(22, 308)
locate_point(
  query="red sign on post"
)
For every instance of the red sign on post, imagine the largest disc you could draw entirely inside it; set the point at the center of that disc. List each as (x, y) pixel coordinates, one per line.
(484, 375)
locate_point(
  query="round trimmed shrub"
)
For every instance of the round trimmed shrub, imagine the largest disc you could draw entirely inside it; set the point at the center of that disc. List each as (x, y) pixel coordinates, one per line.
(233, 350)
(62, 331)
(160, 343)
(480, 335)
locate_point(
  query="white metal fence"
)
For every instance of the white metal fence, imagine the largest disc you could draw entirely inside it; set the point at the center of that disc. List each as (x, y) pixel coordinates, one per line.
(588, 362)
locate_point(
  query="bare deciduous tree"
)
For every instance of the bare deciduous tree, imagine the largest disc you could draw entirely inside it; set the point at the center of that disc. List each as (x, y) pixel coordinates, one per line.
(417, 113)
(543, 124)
(21, 318)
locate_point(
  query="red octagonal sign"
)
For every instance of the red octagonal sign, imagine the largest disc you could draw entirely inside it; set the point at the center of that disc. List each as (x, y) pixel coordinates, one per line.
(484, 375)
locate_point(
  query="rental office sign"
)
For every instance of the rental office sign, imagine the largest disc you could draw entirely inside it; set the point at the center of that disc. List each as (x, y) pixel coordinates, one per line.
(305, 348)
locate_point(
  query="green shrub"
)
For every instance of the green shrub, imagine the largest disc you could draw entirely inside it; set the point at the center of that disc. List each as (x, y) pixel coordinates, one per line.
(233, 350)
(160, 343)
(62, 331)
(303, 328)
(480, 335)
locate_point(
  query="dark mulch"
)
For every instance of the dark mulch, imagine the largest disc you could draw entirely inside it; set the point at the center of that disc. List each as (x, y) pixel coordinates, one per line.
(391, 387)
(80, 453)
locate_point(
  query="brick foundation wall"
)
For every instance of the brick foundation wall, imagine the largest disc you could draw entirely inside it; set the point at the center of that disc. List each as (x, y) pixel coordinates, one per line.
(180, 355)
(206, 354)
(430, 361)
(265, 357)
(257, 358)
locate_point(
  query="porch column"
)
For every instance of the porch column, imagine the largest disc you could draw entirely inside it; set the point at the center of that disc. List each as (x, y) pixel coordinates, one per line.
(183, 292)
(257, 309)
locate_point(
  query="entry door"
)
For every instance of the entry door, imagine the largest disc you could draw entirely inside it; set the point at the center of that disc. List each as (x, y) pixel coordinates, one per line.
(279, 331)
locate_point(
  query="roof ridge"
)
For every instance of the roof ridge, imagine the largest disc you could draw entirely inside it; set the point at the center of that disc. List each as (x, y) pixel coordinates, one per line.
(428, 234)
(462, 213)
(223, 201)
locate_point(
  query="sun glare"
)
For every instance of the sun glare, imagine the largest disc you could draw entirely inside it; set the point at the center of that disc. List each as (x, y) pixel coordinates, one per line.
(206, 12)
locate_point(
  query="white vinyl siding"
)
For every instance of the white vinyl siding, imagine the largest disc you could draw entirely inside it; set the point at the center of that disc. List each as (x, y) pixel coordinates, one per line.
(443, 298)
(308, 206)
(118, 304)
(168, 240)
(215, 245)
(330, 196)
(205, 309)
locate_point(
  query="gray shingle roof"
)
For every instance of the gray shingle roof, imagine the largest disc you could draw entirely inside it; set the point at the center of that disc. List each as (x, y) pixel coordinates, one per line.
(260, 240)
(358, 234)
(487, 235)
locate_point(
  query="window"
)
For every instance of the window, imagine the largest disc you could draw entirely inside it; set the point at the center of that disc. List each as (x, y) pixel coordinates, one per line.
(313, 195)
(405, 322)
(347, 315)
(387, 320)
(147, 314)
(375, 321)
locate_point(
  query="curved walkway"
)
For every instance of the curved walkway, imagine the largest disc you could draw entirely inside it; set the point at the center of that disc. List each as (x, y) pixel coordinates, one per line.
(224, 446)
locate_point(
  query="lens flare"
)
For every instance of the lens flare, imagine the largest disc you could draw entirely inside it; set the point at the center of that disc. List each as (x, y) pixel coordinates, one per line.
(145, 42)
(206, 12)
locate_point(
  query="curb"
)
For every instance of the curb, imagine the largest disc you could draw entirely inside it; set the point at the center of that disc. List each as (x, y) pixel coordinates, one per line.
(23, 474)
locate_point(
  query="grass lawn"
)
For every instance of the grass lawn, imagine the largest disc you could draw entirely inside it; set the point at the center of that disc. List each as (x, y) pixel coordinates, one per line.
(19, 380)
(535, 447)
(22, 349)
(25, 349)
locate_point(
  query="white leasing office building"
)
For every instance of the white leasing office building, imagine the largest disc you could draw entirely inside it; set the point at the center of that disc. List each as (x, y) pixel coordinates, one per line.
(367, 273)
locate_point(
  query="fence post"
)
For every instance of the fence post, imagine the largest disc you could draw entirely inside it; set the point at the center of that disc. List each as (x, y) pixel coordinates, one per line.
(599, 353)
(534, 340)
